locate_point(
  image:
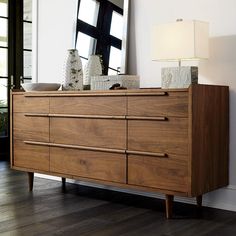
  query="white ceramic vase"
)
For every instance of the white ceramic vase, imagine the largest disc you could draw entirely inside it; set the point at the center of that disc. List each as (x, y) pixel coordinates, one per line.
(92, 68)
(73, 73)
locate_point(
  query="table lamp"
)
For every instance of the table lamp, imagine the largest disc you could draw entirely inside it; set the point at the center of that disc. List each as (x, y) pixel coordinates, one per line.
(178, 41)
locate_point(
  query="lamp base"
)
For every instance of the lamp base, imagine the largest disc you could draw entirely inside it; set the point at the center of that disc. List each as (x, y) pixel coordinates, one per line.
(179, 77)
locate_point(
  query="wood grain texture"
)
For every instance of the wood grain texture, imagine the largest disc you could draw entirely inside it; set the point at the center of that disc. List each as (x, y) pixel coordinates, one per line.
(113, 106)
(157, 173)
(210, 138)
(173, 104)
(109, 150)
(169, 206)
(31, 156)
(89, 132)
(30, 128)
(169, 137)
(90, 164)
(90, 181)
(11, 129)
(33, 104)
(176, 140)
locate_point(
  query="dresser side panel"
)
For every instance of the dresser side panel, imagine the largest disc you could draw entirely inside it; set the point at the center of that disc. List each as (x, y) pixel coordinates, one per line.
(210, 138)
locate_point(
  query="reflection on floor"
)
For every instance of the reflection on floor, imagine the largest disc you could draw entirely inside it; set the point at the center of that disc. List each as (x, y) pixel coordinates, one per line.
(96, 212)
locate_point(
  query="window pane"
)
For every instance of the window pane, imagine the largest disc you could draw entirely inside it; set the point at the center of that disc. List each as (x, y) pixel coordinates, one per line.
(3, 32)
(3, 62)
(88, 11)
(3, 8)
(27, 35)
(115, 58)
(112, 72)
(86, 45)
(116, 25)
(3, 92)
(3, 122)
(27, 64)
(28, 10)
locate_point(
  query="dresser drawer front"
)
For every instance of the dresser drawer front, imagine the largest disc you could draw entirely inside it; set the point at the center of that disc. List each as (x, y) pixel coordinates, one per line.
(113, 106)
(89, 164)
(30, 156)
(169, 137)
(30, 128)
(171, 104)
(30, 104)
(158, 173)
(103, 133)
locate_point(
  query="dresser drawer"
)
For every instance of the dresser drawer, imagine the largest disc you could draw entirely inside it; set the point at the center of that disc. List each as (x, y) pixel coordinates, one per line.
(112, 106)
(167, 104)
(30, 128)
(155, 172)
(169, 136)
(30, 156)
(30, 104)
(103, 133)
(89, 164)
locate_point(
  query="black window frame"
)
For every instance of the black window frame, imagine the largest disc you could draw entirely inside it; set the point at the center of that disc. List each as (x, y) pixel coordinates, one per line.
(101, 32)
(28, 78)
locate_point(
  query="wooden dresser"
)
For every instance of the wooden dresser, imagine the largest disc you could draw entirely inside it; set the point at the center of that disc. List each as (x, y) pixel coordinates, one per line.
(174, 142)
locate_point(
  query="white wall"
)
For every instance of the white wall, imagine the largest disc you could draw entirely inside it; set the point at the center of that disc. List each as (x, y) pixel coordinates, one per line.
(56, 32)
(56, 28)
(219, 69)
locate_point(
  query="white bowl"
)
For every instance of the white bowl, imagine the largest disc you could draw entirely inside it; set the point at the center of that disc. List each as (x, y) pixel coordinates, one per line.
(29, 87)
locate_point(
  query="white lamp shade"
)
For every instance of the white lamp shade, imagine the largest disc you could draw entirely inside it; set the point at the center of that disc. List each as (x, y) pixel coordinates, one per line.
(182, 40)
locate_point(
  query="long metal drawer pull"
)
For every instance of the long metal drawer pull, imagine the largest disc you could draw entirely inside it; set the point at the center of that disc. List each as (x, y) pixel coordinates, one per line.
(76, 147)
(161, 118)
(160, 155)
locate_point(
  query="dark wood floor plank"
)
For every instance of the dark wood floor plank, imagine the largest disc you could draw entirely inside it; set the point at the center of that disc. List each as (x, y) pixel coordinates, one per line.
(86, 211)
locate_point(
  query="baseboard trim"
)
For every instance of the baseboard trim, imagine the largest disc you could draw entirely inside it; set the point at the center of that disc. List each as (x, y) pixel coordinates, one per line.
(223, 198)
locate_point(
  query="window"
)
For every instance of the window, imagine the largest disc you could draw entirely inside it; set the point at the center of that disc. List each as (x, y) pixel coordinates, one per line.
(99, 31)
(27, 39)
(3, 67)
(15, 43)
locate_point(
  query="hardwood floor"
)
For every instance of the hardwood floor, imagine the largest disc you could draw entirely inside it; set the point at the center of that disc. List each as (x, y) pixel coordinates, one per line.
(95, 212)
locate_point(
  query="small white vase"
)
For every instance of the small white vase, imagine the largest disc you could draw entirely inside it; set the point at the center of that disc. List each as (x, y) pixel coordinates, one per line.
(73, 73)
(92, 68)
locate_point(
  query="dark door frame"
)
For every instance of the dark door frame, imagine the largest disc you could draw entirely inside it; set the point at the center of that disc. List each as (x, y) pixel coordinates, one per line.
(15, 61)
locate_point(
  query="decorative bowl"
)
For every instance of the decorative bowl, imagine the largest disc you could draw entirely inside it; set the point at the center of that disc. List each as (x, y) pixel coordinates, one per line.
(29, 87)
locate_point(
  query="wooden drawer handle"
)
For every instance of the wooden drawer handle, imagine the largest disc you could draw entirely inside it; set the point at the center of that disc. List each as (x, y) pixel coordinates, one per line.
(75, 116)
(153, 154)
(87, 116)
(161, 118)
(148, 94)
(36, 115)
(76, 147)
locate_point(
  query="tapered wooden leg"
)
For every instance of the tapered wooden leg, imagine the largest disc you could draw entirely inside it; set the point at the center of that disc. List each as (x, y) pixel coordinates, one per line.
(63, 180)
(169, 205)
(199, 201)
(31, 180)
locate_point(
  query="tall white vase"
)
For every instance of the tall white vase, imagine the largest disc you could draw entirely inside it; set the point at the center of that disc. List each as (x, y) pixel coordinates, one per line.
(92, 68)
(73, 73)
